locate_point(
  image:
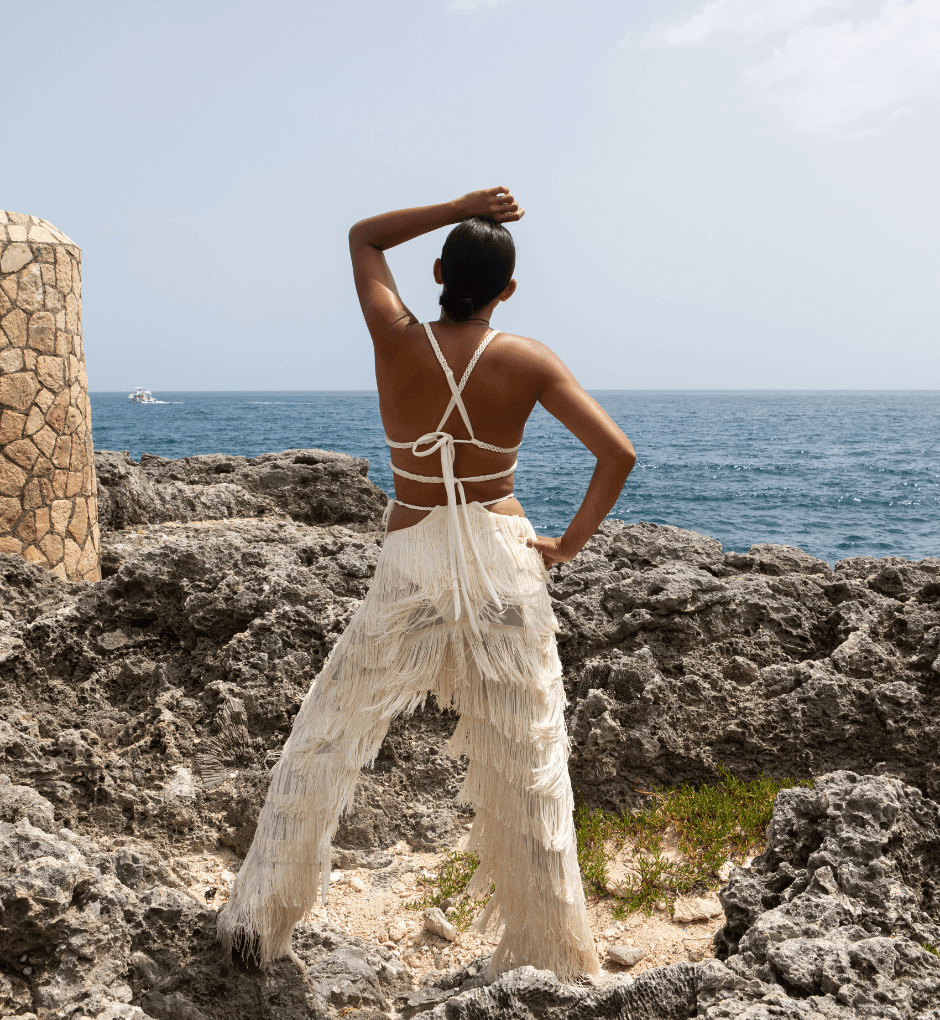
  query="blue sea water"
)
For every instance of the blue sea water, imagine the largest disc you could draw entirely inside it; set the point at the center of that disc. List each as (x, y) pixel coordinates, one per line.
(840, 473)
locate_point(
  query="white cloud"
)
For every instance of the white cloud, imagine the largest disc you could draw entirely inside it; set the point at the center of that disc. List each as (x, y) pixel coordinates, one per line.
(472, 5)
(826, 77)
(747, 20)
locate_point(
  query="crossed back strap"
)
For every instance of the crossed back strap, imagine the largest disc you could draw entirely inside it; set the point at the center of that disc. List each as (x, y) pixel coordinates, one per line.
(456, 401)
(456, 389)
(444, 443)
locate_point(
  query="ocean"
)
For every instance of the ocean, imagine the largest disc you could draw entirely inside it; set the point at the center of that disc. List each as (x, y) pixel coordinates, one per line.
(839, 473)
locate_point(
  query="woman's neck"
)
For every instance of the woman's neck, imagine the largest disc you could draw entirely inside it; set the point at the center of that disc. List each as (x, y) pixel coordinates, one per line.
(483, 319)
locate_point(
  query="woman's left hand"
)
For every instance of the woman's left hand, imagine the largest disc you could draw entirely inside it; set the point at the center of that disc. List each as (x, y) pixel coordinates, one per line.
(494, 203)
(551, 550)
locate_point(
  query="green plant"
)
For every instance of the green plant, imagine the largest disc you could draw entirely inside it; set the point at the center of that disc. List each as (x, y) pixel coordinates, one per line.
(592, 829)
(711, 824)
(453, 877)
(929, 946)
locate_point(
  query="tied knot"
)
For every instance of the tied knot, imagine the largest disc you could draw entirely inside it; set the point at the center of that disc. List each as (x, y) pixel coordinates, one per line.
(444, 443)
(435, 441)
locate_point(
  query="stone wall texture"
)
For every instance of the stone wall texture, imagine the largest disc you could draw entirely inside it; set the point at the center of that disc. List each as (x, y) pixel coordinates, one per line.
(48, 506)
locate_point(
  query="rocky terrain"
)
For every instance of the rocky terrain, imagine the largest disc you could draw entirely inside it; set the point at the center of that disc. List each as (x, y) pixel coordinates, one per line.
(309, 486)
(139, 717)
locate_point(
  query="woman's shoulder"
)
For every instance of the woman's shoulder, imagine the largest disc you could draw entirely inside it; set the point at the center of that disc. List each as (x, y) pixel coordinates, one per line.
(533, 352)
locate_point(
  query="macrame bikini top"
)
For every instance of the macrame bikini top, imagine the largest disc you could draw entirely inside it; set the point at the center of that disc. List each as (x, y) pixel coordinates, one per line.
(444, 443)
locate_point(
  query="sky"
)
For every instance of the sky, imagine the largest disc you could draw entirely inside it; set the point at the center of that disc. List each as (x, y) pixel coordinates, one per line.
(719, 194)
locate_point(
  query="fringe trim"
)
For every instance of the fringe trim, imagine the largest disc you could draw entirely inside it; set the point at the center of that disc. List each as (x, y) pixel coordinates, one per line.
(504, 682)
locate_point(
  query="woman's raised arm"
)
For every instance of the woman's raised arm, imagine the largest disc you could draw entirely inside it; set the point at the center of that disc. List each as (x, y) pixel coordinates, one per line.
(382, 306)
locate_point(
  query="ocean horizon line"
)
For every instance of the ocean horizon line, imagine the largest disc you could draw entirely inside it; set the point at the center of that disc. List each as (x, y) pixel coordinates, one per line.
(589, 389)
(834, 472)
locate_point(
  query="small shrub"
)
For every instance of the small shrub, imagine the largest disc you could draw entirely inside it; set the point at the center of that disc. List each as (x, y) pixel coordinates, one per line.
(453, 877)
(592, 829)
(712, 824)
(929, 946)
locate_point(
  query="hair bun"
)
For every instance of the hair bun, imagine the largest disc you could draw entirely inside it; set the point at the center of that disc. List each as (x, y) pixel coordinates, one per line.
(458, 308)
(477, 261)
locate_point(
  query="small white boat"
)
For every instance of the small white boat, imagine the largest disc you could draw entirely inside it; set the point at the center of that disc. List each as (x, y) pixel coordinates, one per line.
(142, 396)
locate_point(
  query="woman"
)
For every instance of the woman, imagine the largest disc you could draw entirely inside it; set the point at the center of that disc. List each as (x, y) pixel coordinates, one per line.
(458, 606)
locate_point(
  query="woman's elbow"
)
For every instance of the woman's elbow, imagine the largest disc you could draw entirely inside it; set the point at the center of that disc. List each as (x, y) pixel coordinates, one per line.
(361, 235)
(626, 455)
(619, 459)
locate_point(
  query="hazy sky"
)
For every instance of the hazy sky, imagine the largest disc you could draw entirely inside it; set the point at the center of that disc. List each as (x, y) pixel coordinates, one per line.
(726, 194)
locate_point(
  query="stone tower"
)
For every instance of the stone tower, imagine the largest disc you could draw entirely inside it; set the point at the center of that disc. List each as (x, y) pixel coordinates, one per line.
(48, 506)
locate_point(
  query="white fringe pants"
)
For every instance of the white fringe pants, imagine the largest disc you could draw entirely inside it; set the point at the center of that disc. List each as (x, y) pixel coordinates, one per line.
(498, 666)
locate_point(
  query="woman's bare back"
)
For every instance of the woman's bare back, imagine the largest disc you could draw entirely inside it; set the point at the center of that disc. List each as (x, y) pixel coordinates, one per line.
(499, 396)
(514, 374)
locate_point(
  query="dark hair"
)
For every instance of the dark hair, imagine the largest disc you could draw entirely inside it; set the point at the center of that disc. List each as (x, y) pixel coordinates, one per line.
(476, 265)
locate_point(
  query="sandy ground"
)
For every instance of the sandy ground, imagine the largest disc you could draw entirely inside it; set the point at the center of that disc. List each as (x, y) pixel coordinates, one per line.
(371, 905)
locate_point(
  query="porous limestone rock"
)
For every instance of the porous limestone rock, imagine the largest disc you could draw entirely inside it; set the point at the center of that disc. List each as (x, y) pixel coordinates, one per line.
(140, 717)
(309, 486)
(840, 905)
(48, 502)
(663, 993)
(680, 661)
(98, 931)
(190, 659)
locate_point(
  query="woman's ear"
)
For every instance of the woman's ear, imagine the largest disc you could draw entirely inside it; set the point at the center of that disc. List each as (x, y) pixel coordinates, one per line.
(437, 272)
(508, 292)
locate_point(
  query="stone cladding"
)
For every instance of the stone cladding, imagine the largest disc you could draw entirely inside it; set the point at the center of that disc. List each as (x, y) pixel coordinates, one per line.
(48, 506)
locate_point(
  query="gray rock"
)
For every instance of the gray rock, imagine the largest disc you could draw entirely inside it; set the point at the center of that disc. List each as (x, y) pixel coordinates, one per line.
(95, 946)
(62, 913)
(626, 956)
(666, 993)
(436, 923)
(643, 545)
(346, 978)
(142, 714)
(19, 802)
(777, 560)
(839, 905)
(309, 486)
(791, 668)
(421, 1001)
